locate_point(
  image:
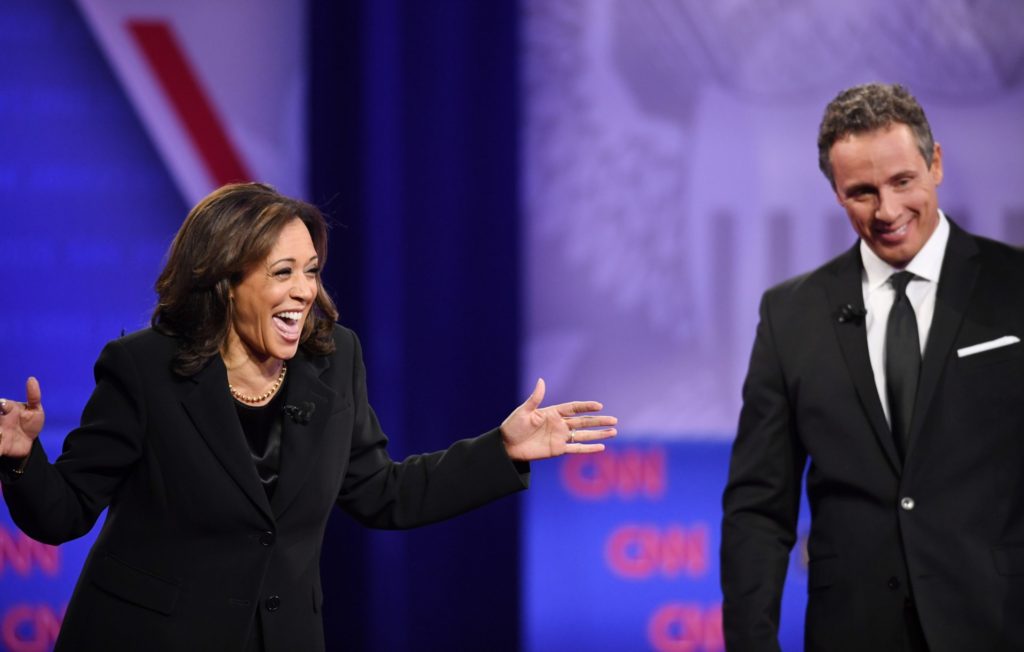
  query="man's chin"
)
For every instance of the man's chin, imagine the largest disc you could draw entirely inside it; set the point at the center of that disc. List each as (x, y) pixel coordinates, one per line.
(898, 257)
(898, 252)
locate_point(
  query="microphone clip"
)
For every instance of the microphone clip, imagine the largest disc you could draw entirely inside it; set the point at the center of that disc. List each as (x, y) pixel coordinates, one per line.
(300, 414)
(850, 314)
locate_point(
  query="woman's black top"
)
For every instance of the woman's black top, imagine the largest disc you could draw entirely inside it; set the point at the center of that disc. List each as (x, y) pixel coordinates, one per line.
(262, 428)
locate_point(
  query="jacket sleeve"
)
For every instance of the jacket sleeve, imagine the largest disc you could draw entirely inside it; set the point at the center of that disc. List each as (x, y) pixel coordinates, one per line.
(57, 502)
(761, 500)
(421, 489)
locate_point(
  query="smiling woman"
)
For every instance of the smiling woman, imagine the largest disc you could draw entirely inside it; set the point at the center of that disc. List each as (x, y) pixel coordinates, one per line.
(229, 241)
(221, 437)
(269, 309)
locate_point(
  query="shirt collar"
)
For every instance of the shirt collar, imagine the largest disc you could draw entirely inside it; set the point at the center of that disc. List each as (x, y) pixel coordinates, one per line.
(926, 264)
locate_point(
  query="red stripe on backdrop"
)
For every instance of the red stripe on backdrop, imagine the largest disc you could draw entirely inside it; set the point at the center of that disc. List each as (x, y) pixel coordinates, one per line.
(190, 101)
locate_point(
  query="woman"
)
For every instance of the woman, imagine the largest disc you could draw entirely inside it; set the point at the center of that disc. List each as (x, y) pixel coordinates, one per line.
(221, 437)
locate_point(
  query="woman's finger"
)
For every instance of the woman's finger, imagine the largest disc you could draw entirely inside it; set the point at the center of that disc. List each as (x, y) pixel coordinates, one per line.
(577, 407)
(577, 435)
(33, 394)
(584, 448)
(591, 421)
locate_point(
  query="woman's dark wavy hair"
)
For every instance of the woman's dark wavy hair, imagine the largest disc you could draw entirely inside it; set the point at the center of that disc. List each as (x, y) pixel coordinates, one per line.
(231, 229)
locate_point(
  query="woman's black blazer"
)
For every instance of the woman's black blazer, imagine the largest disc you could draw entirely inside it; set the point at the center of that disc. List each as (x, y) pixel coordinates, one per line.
(192, 553)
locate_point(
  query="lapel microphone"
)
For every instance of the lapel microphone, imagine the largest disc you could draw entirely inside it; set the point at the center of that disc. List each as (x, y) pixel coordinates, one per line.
(300, 414)
(850, 314)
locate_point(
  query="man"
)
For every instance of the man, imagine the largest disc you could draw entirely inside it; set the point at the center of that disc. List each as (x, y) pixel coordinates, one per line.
(904, 398)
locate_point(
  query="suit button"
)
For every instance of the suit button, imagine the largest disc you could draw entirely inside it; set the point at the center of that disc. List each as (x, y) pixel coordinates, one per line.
(273, 603)
(893, 583)
(267, 538)
(907, 503)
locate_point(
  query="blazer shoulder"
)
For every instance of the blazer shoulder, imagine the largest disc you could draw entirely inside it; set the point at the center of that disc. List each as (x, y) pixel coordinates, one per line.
(1000, 254)
(811, 283)
(344, 337)
(146, 344)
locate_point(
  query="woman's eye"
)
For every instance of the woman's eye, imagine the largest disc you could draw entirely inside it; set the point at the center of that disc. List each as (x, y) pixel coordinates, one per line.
(286, 271)
(313, 272)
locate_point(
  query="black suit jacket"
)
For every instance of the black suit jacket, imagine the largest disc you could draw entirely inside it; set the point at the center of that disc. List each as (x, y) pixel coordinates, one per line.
(192, 551)
(945, 527)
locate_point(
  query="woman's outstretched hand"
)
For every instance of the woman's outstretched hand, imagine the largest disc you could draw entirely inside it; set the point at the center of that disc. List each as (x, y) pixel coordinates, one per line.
(21, 423)
(535, 433)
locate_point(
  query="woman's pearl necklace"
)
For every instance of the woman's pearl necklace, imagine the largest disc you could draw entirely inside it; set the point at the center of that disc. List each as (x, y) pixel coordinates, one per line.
(265, 395)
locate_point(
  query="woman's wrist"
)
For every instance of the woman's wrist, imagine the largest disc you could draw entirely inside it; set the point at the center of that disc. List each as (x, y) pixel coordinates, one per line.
(15, 466)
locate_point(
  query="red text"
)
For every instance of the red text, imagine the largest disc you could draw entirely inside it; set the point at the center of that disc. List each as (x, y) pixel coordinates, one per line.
(681, 627)
(627, 474)
(641, 551)
(20, 553)
(30, 628)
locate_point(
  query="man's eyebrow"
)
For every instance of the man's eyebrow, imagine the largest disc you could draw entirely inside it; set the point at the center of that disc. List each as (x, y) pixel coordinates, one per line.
(859, 189)
(903, 174)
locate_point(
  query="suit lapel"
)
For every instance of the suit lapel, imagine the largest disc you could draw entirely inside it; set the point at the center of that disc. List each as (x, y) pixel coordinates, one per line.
(300, 434)
(956, 282)
(843, 288)
(211, 408)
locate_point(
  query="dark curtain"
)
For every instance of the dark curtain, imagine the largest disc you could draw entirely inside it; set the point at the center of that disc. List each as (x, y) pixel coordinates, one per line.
(414, 156)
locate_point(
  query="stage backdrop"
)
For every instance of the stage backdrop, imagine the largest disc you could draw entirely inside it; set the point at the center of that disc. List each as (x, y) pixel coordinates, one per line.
(670, 177)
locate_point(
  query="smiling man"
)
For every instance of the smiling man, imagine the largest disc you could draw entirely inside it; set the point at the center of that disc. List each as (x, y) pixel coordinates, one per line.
(894, 376)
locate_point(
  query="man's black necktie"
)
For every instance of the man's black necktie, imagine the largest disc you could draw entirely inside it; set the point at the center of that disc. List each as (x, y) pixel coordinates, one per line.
(902, 360)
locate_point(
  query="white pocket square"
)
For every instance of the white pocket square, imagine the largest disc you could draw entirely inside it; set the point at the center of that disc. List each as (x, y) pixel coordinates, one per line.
(1005, 340)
